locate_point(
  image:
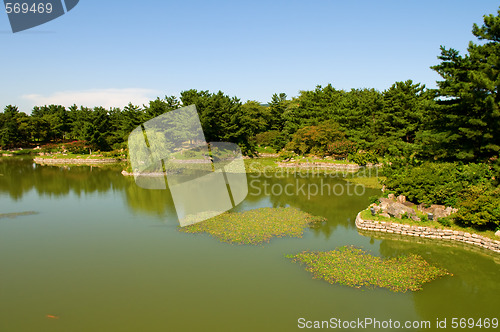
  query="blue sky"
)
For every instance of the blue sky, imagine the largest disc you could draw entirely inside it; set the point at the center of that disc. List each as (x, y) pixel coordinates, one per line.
(112, 52)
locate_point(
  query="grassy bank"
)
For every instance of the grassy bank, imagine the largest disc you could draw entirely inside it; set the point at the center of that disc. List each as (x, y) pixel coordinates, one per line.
(367, 181)
(442, 223)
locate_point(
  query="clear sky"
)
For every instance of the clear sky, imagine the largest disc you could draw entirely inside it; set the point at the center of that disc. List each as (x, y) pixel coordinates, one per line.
(108, 52)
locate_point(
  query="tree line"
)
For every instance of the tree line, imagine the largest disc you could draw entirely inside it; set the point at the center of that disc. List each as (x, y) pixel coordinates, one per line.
(458, 121)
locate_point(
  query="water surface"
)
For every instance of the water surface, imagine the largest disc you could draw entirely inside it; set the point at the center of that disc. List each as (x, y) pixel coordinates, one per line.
(104, 255)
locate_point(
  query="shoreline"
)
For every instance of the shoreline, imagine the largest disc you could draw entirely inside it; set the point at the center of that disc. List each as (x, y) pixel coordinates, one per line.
(75, 161)
(443, 234)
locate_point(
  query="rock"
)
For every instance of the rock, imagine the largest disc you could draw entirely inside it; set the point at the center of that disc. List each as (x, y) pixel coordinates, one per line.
(385, 214)
(440, 213)
(391, 197)
(415, 218)
(398, 209)
(421, 207)
(497, 233)
(401, 199)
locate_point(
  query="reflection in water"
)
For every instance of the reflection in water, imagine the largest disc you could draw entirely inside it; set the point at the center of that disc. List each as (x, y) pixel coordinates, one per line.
(326, 195)
(91, 257)
(476, 273)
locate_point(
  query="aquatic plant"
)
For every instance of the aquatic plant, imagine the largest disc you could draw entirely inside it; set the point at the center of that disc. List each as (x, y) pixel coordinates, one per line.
(255, 226)
(17, 214)
(356, 268)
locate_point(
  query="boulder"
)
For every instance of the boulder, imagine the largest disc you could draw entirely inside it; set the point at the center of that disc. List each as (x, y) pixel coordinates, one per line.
(398, 209)
(423, 209)
(401, 199)
(391, 197)
(497, 233)
(415, 218)
(385, 214)
(440, 213)
(384, 203)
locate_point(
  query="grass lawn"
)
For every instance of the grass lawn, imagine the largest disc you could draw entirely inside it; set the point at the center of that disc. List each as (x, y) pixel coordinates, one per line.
(367, 181)
(355, 267)
(255, 226)
(265, 149)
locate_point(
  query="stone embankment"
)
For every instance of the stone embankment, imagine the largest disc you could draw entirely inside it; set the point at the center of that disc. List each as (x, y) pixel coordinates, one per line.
(319, 165)
(75, 161)
(428, 233)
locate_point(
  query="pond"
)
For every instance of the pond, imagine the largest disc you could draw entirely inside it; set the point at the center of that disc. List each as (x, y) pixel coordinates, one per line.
(102, 254)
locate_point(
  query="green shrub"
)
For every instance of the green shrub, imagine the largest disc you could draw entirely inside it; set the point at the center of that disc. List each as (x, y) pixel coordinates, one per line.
(435, 183)
(286, 155)
(49, 148)
(479, 207)
(315, 139)
(363, 158)
(77, 147)
(373, 199)
(275, 139)
(446, 222)
(266, 138)
(341, 148)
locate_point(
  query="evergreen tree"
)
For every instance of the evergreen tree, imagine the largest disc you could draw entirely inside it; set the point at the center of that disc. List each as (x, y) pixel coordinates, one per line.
(468, 124)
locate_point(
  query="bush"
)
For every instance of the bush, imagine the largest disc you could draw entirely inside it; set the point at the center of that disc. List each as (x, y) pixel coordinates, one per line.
(373, 199)
(341, 148)
(77, 147)
(480, 207)
(49, 148)
(266, 138)
(435, 183)
(275, 139)
(446, 222)
(363, 158)
(286, 155)
(315, 139)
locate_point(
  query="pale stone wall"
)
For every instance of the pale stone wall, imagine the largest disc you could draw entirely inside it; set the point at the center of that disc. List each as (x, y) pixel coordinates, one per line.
(427, 232)
(74, 161)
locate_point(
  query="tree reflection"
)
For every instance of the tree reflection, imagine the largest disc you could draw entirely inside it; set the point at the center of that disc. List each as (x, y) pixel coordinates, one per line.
(475, 277)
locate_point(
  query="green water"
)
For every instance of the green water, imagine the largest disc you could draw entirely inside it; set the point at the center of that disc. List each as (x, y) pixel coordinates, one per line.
(105, 255)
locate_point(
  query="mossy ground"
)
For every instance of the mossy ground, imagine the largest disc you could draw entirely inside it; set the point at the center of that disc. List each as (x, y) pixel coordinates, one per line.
(255, 226)
(355, 267)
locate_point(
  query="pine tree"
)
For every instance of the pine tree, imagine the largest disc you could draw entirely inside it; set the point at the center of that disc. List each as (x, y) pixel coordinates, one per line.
(467, 125)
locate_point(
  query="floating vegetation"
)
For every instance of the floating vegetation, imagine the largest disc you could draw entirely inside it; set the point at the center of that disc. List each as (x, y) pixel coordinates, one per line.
(255, 226)
(355, 267)
(17, 214)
